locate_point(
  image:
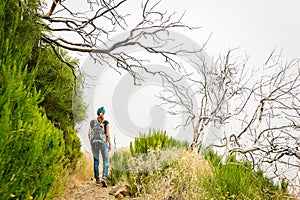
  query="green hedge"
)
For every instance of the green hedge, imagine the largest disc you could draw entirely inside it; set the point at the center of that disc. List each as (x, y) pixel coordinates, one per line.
(32, 149)
(56, 81)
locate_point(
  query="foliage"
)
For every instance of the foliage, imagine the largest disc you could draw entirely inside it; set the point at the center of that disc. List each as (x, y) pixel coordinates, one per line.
(119, 166)
(154, 141)
(32, 149)
(237, 180)
(18, 28)
(72, 146)
(151, 152)
(56, 81)
(191, 176)
(181, 180)
(33, 152)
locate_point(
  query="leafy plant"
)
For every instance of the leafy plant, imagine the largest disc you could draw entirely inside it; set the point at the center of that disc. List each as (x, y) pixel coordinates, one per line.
(33, 152)
(237, 180)
(32, 149)
(154, 141)
(62, 100)
(119, 166)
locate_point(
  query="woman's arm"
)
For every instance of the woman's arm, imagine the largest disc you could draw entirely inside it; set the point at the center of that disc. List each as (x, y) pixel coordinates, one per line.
(89, 132)
(108, 136)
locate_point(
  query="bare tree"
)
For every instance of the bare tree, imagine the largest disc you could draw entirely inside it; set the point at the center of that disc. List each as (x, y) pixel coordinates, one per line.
(254, 112)
(94, 29)
(269, 132)
(206, 101)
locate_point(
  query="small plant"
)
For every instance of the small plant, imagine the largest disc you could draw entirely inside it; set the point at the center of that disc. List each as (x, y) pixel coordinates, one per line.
(119, 166)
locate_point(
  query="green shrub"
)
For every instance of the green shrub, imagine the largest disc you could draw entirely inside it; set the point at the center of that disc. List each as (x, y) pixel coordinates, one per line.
(73, 145)
(237, 180)
(154, 141)
(119, 166)
(32, 149)
(190, 176)
(150, 153)
(56, 81)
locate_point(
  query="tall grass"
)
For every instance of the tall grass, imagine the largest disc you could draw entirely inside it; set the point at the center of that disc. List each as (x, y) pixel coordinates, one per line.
(237, 180)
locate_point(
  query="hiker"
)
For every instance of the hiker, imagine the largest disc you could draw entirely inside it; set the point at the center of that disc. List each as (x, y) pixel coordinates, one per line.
(100, 142)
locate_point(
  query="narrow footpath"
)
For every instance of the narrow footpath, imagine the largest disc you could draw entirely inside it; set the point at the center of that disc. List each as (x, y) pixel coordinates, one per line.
(87, 190)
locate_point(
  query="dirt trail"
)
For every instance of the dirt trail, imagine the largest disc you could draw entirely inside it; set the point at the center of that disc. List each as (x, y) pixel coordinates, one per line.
(86, 190)
(79, 185)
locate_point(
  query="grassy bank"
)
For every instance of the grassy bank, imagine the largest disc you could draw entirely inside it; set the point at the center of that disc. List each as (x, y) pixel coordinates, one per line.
(176, 173)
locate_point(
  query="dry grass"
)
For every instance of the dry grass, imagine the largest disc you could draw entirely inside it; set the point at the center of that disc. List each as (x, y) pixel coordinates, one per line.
(181, 181)
(84, 168)
(75, 179)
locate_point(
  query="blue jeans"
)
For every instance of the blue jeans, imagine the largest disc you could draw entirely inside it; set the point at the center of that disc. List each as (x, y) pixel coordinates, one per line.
(103, 148)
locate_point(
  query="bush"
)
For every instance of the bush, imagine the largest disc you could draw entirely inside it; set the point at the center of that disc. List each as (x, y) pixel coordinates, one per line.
(32, 149)
(119, 166)
(237, 180)
(181, 180)
(154, 141)
(150, 154)
(72, 146)
(56, 81)
(190, 176)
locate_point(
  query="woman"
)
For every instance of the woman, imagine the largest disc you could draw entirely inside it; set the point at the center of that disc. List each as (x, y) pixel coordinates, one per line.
(100, 142)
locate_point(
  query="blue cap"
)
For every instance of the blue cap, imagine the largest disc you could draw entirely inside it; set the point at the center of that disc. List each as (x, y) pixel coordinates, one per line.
(101, 108)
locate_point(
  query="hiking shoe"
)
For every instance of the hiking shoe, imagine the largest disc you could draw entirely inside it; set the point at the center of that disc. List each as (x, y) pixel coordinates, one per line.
(104, 183)
(98, 182)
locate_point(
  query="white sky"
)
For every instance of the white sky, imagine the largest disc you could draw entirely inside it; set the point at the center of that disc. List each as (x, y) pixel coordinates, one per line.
(255, 26)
